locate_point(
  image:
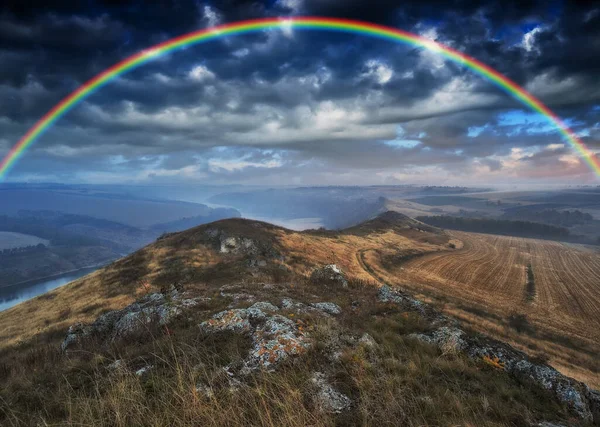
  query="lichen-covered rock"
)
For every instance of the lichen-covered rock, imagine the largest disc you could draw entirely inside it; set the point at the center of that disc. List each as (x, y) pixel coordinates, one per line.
(234, 320)
(327, 307)
(274, 337)
(450, 340)
(329, 274)
(75, 334)
(135, 318)
(328, 399)
(367, 340)
(237, 297)
(265, 306)
(117, 365)
(387, 294)
(226, 243)
(144, 370)
(205, 390)
(516, 363)
(278, 339)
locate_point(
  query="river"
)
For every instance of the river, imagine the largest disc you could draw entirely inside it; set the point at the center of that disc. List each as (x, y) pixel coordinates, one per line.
(13, 295)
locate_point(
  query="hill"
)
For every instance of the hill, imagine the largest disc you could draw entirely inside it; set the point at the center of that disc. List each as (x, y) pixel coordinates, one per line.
(241, 322)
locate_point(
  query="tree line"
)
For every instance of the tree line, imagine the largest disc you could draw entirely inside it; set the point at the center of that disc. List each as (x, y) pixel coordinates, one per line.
(497, 226)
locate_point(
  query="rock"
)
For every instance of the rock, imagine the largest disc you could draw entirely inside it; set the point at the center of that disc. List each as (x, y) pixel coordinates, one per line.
(274, 337)
(205, 390)
(327, 307)
(238, 245)
(329, 274)
(289, 303)
(265, 306)
(75, 334)
(254, 263)
(235, 320)
(233, 383)
(318, 307)
(329, 399)
(516, 363)
(144, 370)
(387, 294)
(156, 307)
(117, 365)
(274, 342)
(449, 340)
(367, 340)
(237, 297)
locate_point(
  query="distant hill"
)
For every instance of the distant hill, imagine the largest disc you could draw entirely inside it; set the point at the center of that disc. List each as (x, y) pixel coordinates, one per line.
(334, 206)
(78, 241)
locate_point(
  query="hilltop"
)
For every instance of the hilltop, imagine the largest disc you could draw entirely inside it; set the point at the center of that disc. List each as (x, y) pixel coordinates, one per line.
(241, 322)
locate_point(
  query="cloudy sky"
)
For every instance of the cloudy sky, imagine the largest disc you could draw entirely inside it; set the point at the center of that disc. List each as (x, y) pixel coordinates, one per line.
(297, 107)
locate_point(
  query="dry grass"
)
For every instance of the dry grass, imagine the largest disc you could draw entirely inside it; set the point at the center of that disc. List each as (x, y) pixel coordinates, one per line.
(398, 382)
(486, 284)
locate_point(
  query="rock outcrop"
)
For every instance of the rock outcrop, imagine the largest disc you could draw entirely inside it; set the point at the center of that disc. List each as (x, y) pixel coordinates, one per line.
(158, 308)
(275, 338)
(328, 399)
(329, 275)
(579, 398)
(227, 243)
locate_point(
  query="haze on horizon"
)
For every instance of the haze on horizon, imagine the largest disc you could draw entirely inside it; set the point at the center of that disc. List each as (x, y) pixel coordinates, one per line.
(302, 108)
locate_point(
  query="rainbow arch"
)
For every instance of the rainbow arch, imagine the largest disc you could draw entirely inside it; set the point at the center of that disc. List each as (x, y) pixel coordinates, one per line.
(308, 23)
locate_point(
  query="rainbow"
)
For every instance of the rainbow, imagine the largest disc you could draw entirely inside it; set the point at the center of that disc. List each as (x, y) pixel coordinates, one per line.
(304, 23)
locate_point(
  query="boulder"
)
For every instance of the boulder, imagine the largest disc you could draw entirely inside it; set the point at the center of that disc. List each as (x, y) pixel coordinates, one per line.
(328, 399)
(327, 307)
(329, 274)
(275, 338)
(153, 308)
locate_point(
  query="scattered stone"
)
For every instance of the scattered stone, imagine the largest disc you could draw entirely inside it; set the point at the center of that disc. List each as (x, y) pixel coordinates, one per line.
(265, 306)
(237, 297)
(117, 365)
(329, 274)
(235, 320)
(327, 307)
(367, 340)
(233, 383)
(387, 294)
(156, 308)
(75, 334)
(449, 340)
(236, 245)
(329, 399)
(205, 390)
(255, 263)
(144, 370)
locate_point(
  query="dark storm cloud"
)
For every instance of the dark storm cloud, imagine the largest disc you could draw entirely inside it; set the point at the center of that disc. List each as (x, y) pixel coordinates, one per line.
(308, 98)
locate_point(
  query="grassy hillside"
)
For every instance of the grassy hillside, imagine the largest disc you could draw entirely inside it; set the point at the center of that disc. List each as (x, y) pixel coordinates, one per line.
(341, 354)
